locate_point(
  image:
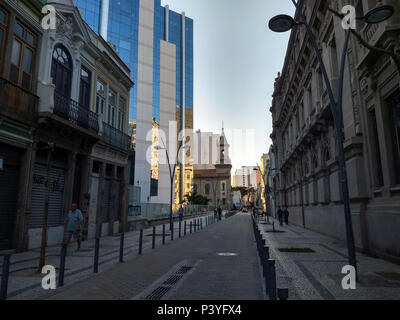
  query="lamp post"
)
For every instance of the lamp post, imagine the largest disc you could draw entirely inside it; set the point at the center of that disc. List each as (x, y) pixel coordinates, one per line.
(283, 23)
(172, 175)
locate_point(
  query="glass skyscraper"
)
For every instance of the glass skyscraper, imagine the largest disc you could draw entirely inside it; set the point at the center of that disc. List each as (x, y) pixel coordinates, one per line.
(123, 33)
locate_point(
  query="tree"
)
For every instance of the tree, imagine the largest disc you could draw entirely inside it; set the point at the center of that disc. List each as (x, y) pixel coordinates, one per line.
(196, 199)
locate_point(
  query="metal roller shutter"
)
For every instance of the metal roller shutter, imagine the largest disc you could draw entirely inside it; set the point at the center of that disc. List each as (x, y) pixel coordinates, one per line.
(9, 178)
(106, 200)
(39, 189)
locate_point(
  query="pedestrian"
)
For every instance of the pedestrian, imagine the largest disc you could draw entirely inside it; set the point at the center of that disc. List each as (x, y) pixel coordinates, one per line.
(215, 212)
(286, 215)
(219, 213)
(280, 216)
(74, 225)
(181, 214)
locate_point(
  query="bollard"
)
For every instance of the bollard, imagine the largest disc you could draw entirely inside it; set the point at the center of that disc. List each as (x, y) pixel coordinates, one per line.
(153, 244)
(184, 228)
(264, 262)
(62, 265)
(4, 277)
(190, 227)
(272, 279)
(96, 256)
(140, 241)
(180, 229)
(121, 248)
(163, 234)
(201, 223)
(283, 294)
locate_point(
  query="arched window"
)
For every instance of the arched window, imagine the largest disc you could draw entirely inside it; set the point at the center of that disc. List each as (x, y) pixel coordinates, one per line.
(327, 155)
(207, 189)
(61, 70)
(315, 161)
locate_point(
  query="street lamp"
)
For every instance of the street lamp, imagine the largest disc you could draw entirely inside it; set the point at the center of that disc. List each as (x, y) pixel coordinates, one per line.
(283, 23)
(172, 175)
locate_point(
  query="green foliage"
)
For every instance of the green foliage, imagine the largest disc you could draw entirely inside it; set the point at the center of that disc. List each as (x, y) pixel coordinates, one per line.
(197, 199)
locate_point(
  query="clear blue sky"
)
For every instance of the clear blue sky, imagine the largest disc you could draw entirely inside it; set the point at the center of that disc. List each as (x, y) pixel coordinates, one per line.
(236, 59)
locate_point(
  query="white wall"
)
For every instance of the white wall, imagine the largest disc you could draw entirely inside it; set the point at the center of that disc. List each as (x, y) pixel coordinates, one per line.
(167, 114)
(144, 97)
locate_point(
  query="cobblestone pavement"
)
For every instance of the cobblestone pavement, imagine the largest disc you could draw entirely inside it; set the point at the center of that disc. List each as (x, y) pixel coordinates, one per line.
(317, 275)
(217, 263)
(25, 282)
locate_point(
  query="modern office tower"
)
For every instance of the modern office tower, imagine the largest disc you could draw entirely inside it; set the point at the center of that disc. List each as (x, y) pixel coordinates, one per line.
(153, 41)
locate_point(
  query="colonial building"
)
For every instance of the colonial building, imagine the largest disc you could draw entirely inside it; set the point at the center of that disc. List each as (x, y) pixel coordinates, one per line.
(20, 33)
(70, 91)
(212, 173)
(304, 137)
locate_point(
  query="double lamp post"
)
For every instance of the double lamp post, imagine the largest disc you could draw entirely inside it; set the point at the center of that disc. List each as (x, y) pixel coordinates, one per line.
(283, 23)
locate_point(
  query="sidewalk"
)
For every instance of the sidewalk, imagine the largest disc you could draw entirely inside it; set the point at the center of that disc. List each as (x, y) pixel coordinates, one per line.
(25, 282)
(317, 275)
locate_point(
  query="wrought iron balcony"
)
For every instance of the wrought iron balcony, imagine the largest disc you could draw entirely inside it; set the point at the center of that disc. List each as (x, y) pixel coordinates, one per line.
(75, 113)
(16, 102)
(116, 137)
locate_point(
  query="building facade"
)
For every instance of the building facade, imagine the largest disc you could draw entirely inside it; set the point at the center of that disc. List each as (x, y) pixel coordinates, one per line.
(152, 40)
(77, 128)
(304, 137)
(212, 169)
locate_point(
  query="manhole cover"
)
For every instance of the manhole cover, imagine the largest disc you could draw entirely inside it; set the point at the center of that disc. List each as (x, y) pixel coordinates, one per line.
(296, 250)
(227, 254)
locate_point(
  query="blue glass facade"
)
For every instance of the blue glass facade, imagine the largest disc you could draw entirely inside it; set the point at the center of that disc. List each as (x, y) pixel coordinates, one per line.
(123, 32)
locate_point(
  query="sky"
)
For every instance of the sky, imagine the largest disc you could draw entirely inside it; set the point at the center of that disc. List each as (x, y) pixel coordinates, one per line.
(236, 60)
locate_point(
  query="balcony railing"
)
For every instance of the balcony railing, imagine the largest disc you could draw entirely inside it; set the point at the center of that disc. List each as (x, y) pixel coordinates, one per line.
(116, 137)
(75, 113)
(17, 102)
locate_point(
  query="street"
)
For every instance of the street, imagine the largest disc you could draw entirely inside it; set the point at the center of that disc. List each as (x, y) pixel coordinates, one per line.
(211, 276)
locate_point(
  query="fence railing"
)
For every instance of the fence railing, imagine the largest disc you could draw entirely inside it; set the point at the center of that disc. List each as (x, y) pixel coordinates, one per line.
(75, 113)
(116, 137)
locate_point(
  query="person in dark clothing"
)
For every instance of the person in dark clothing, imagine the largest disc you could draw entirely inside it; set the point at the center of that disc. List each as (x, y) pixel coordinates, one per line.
(219, 213)
(286, 216)
(280, 216)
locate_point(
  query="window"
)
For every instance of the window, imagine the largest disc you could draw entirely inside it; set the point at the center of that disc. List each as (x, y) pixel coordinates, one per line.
(84, 88)
(223, 187)
(100, 97)
(3, 28)
(376, 150)
(112, 99)
(394, 105)
(121, 114)
(61, 71)
(22, 56)
(207, 189)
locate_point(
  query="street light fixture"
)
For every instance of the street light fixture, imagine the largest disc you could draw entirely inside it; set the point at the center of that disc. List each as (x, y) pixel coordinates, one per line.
(379, 14)
(172, 174)
(282, 23)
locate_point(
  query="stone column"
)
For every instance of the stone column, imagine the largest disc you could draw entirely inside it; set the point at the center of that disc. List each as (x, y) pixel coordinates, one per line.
(69, 183)
(24, 199)
(113, 196)
(100, 201)
(84, 194)
(124, 199)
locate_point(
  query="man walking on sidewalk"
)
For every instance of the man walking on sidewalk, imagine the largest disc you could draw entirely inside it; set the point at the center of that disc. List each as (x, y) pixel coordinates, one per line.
(74, 224)
(280, 216)
(286, 216)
